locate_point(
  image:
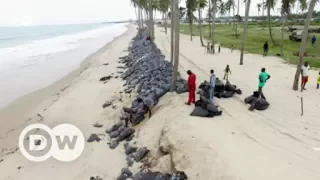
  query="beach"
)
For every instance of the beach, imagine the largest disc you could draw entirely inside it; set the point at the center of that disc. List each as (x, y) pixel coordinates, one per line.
(277, 143)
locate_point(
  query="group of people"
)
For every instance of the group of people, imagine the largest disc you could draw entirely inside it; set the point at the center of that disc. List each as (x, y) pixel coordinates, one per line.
(210, 48)
(212, 80)
(305, 76)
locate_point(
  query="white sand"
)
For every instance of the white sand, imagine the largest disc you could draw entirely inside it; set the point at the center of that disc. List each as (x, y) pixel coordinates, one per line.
(239, 145)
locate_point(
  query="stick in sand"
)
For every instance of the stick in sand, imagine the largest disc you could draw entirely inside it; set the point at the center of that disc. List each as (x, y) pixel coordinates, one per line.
(301, 98)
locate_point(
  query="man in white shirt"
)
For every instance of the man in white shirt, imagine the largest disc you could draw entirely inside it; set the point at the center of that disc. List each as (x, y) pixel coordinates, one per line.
(305, 75)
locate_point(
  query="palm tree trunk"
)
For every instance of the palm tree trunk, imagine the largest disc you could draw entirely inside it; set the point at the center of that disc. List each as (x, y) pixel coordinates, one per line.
(165, 22)
(200, 25)
(303, 44)
(210, 27)
(238, 11)
(191, 29)
(138, 17)
(245, 31)
(214, 5)
(141, 14)
(282, 33)
(176, 47)
(172, 23)
(262, 10)
(233, 22)
(270, 30)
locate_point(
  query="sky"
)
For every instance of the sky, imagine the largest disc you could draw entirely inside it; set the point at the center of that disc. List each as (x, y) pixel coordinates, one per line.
(49, 12)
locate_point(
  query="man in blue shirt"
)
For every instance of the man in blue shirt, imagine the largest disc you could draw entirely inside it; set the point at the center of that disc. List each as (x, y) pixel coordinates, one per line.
(212, 85)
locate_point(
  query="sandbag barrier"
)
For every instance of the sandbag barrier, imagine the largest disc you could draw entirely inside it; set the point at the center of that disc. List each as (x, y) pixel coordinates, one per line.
(146, 71)
(203, 108)
(256, 102)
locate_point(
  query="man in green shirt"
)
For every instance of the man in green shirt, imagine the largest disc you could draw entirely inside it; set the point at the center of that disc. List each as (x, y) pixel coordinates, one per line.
(263, 77)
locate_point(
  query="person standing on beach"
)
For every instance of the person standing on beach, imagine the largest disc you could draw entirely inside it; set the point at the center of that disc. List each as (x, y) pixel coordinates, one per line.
(305, 75)
(265, 48)
(208, 48)
(212, 85)
(191, 87)
(212, 46)
(314, 39)
(226, 73)
(318, 81)
(219, 49)
(263, 77)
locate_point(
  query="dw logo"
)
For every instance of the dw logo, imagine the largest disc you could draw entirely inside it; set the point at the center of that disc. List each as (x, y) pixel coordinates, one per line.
(64, 142)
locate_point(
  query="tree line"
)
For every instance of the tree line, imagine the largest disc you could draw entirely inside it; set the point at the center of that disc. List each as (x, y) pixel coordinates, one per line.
(171, 12)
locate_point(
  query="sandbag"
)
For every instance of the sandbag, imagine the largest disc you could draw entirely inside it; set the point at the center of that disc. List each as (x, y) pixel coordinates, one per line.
(140, 154)
(228, 94)
(126, 133)
(113, 144)
(199, 111)
(261, 104)
(230, 87)
(212, 108)
(122, 177)
(126, 171)
(238, 91)
(219, 85)
(145, 175)
(163, 177)
(179, 175)
(130, 149)
(114, 134)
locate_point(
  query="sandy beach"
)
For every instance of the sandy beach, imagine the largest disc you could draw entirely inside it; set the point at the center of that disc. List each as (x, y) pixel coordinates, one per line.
(277, 143)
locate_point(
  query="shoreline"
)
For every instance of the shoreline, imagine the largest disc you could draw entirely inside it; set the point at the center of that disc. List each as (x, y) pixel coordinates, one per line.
(43, 97)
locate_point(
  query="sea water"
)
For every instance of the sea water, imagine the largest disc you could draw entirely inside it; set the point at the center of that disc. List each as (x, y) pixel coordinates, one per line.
(32, 58)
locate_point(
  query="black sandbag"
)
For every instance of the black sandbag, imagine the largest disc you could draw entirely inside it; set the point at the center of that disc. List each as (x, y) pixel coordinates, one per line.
(126, 171)
(126, 133)
(122, 177)
(219, 86)
(114, 127)
(238, 91)
(129, 161)
(145, 175)
(199, 111)
(113, 144)
(212, 108)
(179, 175)
(114, 134)
(198, 103)
(261, 104)
(249, 99)
(228, 94)
(130, 138)
(130, 149)
(218, 94)
(140, 154)
(230, 87)
(182, 90)
(163, 177)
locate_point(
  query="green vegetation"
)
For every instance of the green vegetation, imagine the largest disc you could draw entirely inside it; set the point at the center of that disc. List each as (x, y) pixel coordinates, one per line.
(256, 37)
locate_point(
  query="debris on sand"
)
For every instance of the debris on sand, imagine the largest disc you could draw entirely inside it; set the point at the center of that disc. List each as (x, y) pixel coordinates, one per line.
(94, 137)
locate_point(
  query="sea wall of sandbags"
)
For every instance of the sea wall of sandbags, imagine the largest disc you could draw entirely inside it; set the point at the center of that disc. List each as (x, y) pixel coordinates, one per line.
(145, 71)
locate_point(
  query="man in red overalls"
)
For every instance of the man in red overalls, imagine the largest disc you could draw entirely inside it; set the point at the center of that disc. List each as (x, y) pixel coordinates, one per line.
(191, 87)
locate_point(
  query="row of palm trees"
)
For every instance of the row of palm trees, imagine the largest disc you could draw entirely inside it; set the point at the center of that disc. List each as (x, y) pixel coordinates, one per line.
(170, 9)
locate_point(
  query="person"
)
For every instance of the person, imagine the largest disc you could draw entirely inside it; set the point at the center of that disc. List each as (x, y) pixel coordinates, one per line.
(314, 39)
(305, 75)
(226, 73)
(263, 77)
(318, 81)
(212, 46)
(219, 49)
(265, 48)
(212, 86)
(191, 87)
(208, 48)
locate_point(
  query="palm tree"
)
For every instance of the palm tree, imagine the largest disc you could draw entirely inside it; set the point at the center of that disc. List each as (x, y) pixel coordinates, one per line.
(245, 30)
(237, 17)
(201, 5)
(303, 44)
(270, 4)
(209, 17)
(214, 8)
(286, 6)
(176, 44)
(164, 8)
(172, 23)
(191, 6)
(259, 8)
(230, 4)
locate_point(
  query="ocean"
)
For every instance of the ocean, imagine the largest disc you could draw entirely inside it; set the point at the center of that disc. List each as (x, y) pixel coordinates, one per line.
(32, 58)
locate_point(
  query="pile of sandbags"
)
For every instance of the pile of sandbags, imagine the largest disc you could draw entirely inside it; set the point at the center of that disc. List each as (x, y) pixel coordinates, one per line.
(221, 90)
(149, 175)
(204, 109)
(256, 102)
